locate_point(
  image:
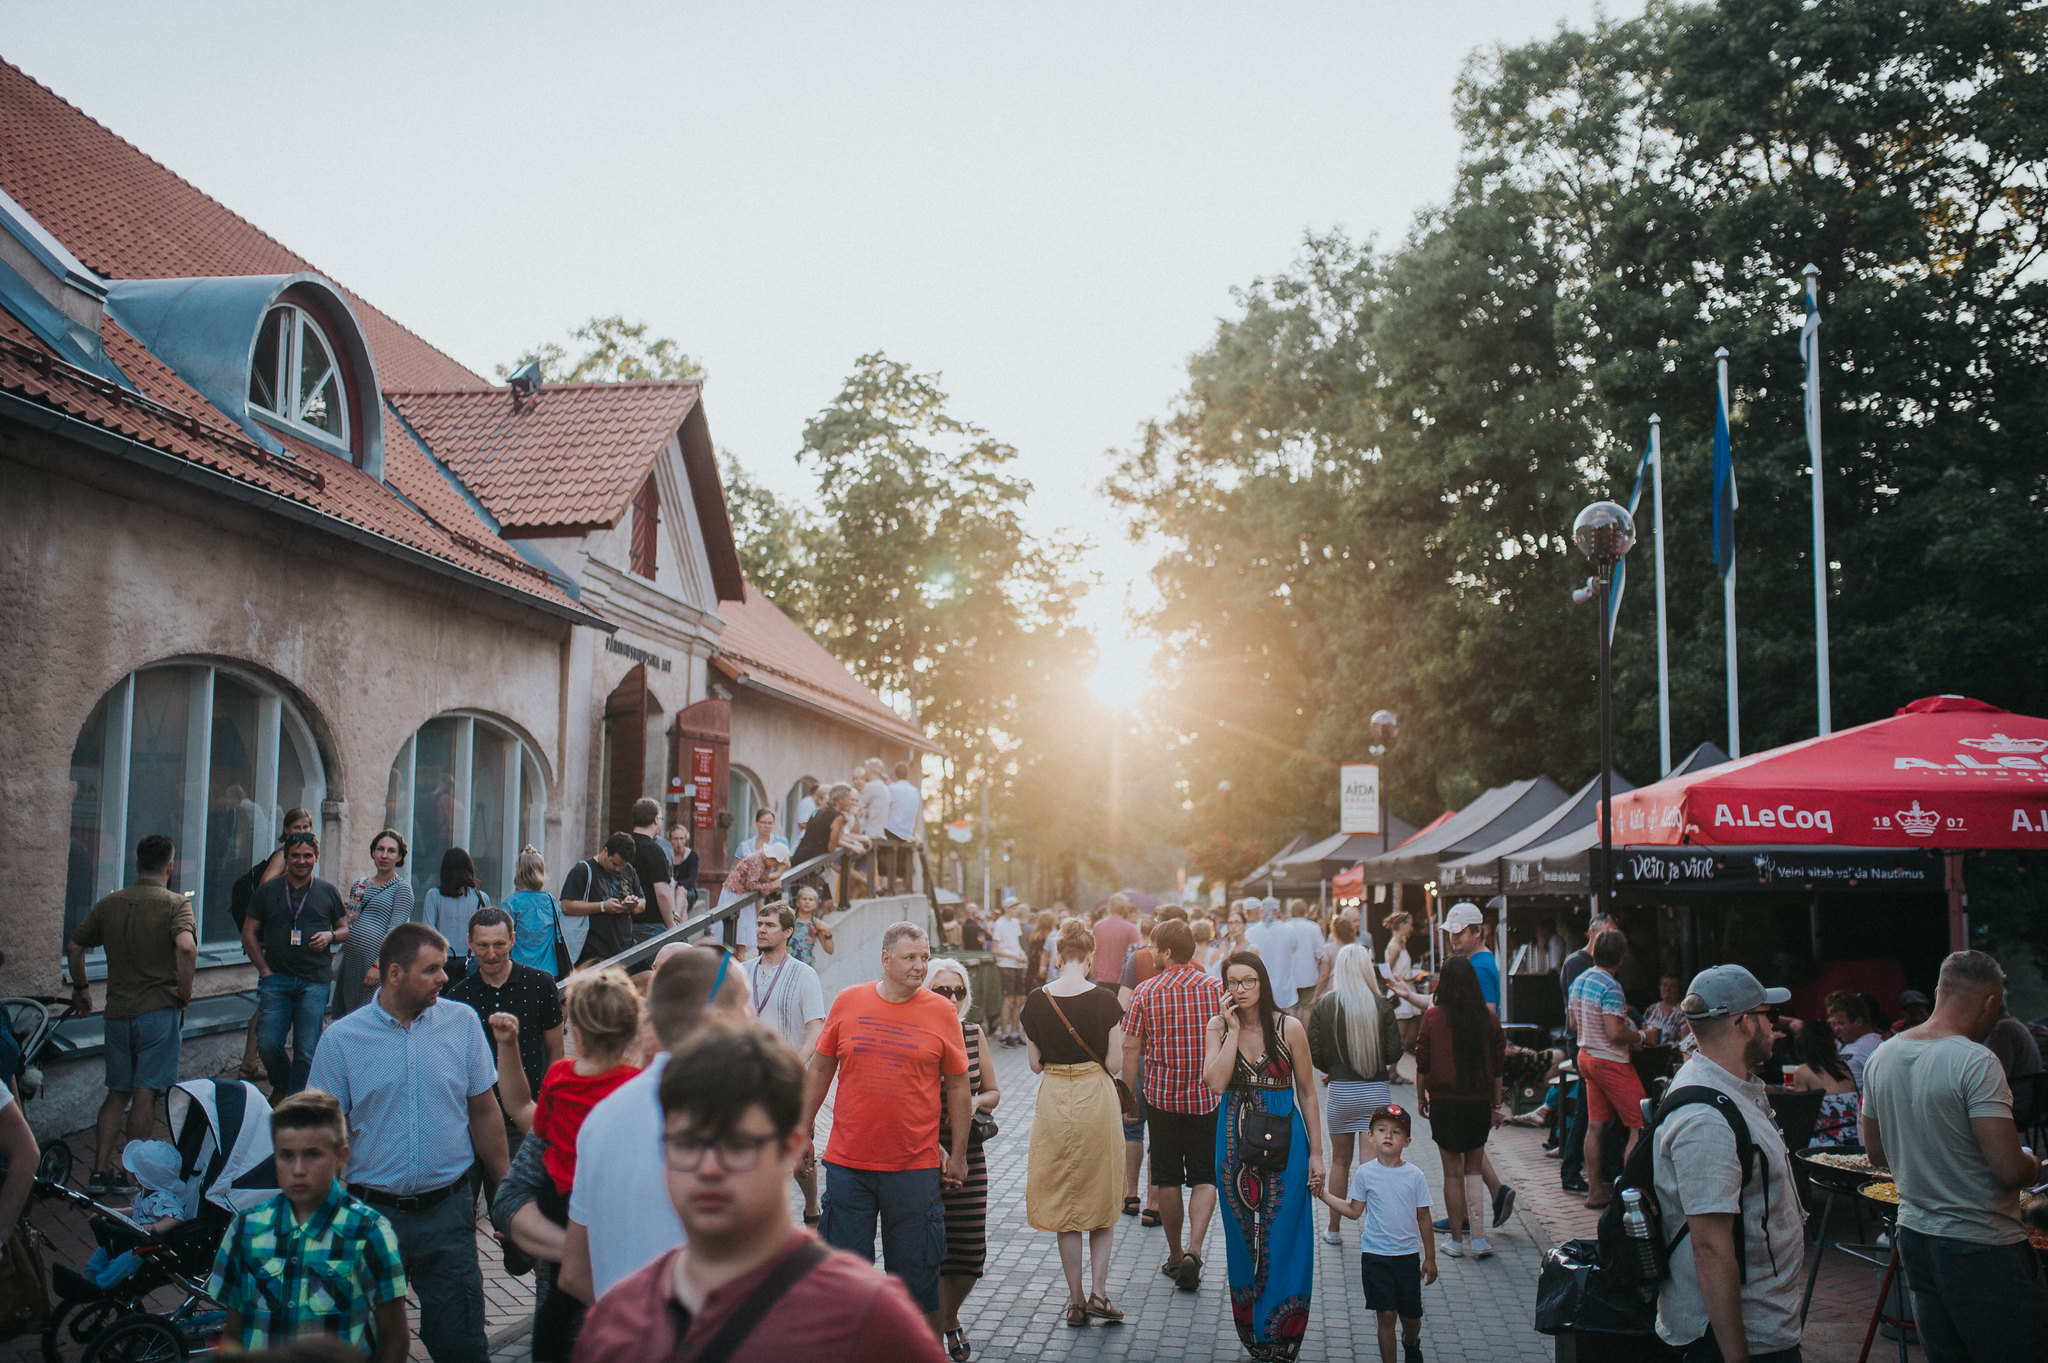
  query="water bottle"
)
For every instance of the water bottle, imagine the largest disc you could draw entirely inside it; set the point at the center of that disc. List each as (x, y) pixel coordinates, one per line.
(1635, 1224)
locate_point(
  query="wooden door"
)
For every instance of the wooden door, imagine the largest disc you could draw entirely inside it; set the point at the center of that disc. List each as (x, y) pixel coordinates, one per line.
(625, 738)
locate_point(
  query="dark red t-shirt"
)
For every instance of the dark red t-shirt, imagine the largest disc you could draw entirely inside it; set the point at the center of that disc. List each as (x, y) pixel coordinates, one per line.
(844, 1309)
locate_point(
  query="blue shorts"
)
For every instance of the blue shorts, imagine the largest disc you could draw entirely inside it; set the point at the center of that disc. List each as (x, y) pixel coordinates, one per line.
(142, 1052)
(1393, 1282)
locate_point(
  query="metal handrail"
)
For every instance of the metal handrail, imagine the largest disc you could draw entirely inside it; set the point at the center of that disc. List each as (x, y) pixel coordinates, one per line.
(726, 914)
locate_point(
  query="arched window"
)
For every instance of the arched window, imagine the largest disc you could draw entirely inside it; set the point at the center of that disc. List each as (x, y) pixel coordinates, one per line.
(208, 756)
(463, 781)
(745, 798)
(294, 377)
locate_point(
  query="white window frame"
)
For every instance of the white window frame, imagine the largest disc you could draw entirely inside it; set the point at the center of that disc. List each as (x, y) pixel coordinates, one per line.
(286, 386)
(276, 720)
(522, 777)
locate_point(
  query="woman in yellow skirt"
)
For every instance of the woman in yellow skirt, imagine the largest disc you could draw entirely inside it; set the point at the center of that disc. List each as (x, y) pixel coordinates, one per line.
(1075, 1181)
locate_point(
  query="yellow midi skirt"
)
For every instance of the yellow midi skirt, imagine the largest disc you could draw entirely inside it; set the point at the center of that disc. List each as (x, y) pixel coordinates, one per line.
(1075, 1181)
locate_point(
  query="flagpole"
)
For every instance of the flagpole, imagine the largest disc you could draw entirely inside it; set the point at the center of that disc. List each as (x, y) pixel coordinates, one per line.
(1809, 341)
(1728, 592)
(1663, 648)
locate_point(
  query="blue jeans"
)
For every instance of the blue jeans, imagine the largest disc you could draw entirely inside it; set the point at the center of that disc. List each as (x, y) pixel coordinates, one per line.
(285, 1004)
(1974, 1303)
(913, 1215)
(438, 1248)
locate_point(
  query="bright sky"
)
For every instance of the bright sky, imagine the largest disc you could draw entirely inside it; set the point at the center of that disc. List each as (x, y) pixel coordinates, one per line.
(1048, 203)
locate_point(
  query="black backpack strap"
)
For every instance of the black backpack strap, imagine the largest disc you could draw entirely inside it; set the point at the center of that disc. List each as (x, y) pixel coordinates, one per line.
(750, 1313)
(1745, 1156)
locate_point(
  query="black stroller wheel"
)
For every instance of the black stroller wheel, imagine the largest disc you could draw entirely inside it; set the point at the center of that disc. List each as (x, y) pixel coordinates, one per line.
(54, 1165)
(137, 1339)
(73, 1324)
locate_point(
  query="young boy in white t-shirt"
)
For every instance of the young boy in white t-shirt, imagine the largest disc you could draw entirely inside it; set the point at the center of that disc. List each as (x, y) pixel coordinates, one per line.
(1397, 1248)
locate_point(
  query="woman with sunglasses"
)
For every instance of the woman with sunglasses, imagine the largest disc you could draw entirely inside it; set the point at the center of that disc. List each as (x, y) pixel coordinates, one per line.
(966, 1205)
(1257, 1058)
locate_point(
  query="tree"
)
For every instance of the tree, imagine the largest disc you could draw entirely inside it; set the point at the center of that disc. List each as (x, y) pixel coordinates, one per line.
(781, 542)
(613, 350)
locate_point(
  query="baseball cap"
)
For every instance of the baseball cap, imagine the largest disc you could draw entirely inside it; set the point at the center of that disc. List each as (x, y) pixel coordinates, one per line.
(1464, 914)
(1913, 996)
(1393, 1112)
(1727, 990)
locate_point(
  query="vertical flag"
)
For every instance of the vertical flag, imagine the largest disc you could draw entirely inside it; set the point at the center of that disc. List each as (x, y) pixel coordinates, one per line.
(1809, 350)
(1724, 541)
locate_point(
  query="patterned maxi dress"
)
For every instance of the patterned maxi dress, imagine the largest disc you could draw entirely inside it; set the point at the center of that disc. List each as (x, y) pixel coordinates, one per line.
(378, 908)
(1268, 1222)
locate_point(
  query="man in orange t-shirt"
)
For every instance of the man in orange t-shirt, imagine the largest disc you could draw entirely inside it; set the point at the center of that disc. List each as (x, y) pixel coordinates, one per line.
(895, 1047)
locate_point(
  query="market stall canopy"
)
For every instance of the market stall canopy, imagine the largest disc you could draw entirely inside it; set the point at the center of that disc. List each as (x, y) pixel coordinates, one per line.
(1348, 884)
(1270, 866)
(1481, 872)
(1487, 820)
(1564, 863)
(1319, 861)
(1944, 772)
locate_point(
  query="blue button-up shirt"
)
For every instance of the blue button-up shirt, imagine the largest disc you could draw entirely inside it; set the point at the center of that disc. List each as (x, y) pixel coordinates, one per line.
(405, 1092)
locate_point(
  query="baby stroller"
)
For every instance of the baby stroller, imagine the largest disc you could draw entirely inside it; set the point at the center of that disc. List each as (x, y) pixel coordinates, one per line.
(221, 1128)
(25, 1043)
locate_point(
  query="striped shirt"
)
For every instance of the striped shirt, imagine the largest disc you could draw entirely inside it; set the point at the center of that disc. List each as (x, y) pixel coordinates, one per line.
(1168, 1016)
(327, 1277)
(1596, 994)
(405, 1092)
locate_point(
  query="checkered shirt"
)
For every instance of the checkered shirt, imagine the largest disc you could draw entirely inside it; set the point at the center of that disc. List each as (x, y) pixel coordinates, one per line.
(326, 1277)
(1168, 1015)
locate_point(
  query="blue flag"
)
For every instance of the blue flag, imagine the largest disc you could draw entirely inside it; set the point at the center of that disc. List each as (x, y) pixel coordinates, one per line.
(1724, 492)
(1635, 499)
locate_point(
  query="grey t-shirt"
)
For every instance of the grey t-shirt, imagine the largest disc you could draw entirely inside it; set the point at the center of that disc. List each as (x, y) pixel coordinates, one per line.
(788, 997)
(1923, 1094)
(1697, 1172)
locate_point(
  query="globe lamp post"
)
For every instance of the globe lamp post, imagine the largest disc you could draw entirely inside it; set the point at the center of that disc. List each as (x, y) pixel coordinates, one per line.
(1384, 727)
(1605, 533)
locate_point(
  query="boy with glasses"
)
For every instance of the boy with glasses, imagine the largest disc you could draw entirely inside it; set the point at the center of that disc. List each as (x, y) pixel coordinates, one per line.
(748, 1285)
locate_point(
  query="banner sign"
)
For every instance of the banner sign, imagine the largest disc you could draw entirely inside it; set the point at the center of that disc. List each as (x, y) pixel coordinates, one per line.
(1358, 798)
(702, 764)
(1734, 869)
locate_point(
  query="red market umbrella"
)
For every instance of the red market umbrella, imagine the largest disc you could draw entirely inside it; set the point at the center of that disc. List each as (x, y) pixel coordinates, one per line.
(1946, 772)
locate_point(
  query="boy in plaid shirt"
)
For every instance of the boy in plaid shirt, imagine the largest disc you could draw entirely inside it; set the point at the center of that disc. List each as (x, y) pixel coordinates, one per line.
(312, 1260)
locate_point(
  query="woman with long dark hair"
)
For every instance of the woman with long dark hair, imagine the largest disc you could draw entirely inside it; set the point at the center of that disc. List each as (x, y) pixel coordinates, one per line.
(449, 905)
(1257, 1058)
(376, 903)
(1822, 1070)
(1459, 1056)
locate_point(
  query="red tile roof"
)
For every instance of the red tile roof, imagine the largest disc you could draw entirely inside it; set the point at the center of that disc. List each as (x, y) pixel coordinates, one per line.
(763, 646)
(170, 417)
(127, 216)
(568, 461)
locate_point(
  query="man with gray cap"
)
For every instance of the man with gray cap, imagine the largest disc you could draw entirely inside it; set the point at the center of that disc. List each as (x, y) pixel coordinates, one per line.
(1728, 1299)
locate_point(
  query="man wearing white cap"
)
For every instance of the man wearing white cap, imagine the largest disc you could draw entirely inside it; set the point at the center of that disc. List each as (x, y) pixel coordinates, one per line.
(1728, 1298)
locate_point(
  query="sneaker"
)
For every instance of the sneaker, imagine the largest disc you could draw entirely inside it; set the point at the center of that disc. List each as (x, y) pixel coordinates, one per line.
(1455, 1248)
(1480, 1249)
(1503, 1204)
(100, 1181)
(1412, 1351)
(1575, 1185)
(1442, 1225)
(1334, 1237)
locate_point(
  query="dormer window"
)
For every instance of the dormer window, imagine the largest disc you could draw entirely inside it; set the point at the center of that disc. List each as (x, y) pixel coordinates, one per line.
(294, 377)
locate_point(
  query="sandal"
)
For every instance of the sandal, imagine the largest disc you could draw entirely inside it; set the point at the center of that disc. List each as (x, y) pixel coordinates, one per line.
(1171, 1268)
(1150, 1217)
(1104, 1308)
(957, 1347)
(1188, 1277)
(1077, 1314)
(810, 1220)
(1131, 1205)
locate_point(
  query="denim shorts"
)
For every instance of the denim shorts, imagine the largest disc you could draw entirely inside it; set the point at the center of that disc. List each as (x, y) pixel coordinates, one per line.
(143, 1051)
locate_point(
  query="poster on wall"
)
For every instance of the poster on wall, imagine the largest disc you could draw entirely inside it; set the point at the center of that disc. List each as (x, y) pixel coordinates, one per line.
(1358, 798)
(702, 761)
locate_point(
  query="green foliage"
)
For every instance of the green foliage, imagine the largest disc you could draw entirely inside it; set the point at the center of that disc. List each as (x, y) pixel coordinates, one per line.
(780, 542)
(611, 350)
(1363, 497)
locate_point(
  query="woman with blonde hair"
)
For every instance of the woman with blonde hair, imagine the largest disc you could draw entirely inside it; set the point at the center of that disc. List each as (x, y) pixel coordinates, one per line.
(537, 921)
(1074, 1038)
(1352, 1039)
(966, 1205)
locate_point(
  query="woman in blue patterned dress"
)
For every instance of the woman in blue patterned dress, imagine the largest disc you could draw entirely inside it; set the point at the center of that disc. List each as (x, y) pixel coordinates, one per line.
(1257, 1058)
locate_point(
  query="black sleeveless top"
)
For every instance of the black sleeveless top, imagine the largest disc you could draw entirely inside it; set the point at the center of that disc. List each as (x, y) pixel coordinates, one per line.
(817, 836)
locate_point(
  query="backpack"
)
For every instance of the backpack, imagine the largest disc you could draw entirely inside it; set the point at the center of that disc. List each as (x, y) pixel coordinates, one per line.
(244, 889)
(1617, 1255)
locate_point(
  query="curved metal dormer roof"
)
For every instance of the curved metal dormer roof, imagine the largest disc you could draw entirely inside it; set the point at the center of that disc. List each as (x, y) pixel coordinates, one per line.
(206, 330)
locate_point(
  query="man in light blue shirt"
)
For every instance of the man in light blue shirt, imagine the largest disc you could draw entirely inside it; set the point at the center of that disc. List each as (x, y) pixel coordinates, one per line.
(414, 1078)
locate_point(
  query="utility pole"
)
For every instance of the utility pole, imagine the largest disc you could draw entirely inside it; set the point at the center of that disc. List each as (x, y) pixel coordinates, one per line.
(987, 778)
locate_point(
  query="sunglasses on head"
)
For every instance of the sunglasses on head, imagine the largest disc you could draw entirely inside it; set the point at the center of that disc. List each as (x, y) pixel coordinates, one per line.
(296, 839)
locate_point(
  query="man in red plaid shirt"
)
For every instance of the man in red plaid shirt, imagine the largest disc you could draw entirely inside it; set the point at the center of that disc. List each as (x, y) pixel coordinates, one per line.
(1164, 1026)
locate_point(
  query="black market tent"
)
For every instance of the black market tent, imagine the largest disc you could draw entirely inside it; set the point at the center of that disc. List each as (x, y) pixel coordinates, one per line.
(1564, 864)
(1492, 817)
(1339, 852)
(1270, 867)
(1482, 873)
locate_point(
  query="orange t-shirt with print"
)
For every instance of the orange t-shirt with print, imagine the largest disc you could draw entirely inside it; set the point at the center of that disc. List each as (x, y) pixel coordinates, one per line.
(892, 1060)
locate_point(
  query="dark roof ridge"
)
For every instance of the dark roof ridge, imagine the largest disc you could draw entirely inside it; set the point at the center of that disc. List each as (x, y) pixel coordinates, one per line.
(551, 387)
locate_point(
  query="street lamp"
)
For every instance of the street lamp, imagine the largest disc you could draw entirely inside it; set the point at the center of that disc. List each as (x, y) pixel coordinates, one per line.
(1605, 533)
(1384, 726)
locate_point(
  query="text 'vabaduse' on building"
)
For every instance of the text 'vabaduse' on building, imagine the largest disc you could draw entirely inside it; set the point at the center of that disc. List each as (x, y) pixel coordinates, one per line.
(264, 547)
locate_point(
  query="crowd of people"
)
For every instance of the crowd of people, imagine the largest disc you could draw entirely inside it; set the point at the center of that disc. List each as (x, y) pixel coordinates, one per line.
(1189, 1064)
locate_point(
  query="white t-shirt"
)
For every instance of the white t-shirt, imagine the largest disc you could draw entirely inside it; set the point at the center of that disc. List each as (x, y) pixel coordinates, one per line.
(1856, 1053)
(788, 997)
(1392, 1197)
(622, 1199)
(1009, 935)
(904, 799)
(1275, 948)
(1308, 939)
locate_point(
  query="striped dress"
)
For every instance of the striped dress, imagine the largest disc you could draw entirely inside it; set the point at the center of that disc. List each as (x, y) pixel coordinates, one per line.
(967, 1205)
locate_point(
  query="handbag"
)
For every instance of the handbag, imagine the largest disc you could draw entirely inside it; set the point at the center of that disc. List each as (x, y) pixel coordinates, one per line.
(563, 965)
(1265, 1139)
(1123, 1091)
(24, 1286)
(981, 1130)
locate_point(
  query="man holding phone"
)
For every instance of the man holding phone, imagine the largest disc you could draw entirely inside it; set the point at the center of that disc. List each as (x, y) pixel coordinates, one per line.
(606, 890)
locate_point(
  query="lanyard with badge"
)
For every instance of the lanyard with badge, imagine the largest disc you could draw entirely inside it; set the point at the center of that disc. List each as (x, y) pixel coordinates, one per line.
(298, 937)
(761, 996)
